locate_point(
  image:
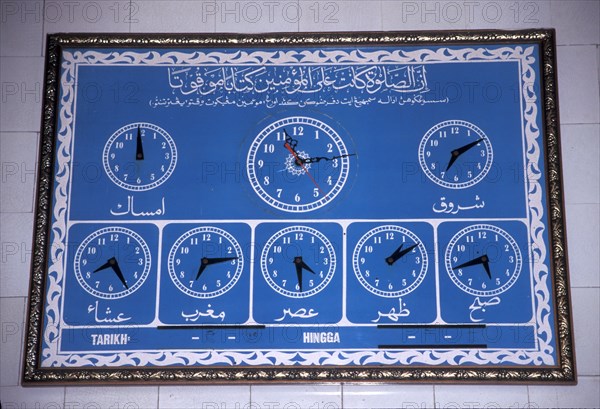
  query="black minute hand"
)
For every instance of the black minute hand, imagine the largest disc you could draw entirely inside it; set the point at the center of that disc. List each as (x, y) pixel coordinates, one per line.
(399, 253)
(205, 262)
(139, 149)
(320, 158)
(457, 152)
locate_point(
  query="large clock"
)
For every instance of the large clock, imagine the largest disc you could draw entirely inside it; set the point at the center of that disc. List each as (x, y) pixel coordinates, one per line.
(299, 163)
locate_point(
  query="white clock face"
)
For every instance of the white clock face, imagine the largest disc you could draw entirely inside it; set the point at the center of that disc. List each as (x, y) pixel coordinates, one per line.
(205, 262)
(455, 154)
(298, 261)
(298, 164)
(139, 156)
(112, 262)
(390, 261)
(483, 260)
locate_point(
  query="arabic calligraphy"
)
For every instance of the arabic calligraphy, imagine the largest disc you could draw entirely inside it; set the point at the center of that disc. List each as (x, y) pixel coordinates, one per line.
(271, 86)
(210, 313)
(130, 209)
(479, 305)
(107, 315)
(392, 314)
(300, 313)
(454, 208)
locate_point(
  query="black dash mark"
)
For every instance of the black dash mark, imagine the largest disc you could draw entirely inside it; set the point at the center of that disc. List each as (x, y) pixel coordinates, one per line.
(211, 327)
(442, 326)
(434, 346)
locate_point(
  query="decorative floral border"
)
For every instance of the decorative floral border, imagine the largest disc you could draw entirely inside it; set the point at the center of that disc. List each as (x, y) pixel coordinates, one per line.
(273, 365)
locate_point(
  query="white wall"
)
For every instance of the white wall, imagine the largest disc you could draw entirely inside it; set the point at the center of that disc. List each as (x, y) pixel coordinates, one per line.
(23, 28)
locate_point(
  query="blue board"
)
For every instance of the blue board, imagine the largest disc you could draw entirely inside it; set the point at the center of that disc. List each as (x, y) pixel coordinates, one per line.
(331, 206)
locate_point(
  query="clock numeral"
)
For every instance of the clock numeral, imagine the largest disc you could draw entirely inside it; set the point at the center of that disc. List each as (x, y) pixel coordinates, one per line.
(206, 237)
(266, 181)
(298, 131)
(329, 148)
(297, 198)
(279, 192)
(269, 148)
(454, 130)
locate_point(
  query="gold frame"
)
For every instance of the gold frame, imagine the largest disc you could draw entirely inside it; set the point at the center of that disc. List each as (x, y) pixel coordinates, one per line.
(563, 372)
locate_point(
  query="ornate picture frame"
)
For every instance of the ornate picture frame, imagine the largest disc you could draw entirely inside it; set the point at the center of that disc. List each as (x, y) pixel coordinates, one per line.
(341, 207)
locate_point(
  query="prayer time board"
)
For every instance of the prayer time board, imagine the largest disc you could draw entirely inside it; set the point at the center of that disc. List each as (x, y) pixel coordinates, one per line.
(300, 207)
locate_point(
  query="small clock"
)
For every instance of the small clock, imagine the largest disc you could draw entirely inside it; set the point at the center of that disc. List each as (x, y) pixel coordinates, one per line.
(298, 261)
(390, 261)
(205, 262)
(483, 260)
(112, 262)
(298, 164)
(455, 154)
(139, 156)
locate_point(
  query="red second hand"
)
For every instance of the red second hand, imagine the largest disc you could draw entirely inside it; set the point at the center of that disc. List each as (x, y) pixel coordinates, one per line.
(298, 160)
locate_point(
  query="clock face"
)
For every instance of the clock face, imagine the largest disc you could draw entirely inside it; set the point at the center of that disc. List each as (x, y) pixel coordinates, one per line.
(205, 262)
(298, 261)
(455, 154)
(112, 262)
(483, 260)
(390, 261)
(298, 164)
(139, 156)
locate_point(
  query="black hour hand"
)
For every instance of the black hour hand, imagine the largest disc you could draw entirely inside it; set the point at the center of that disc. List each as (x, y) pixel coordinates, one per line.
(114, 264)
(301, 265)
(483, 260)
